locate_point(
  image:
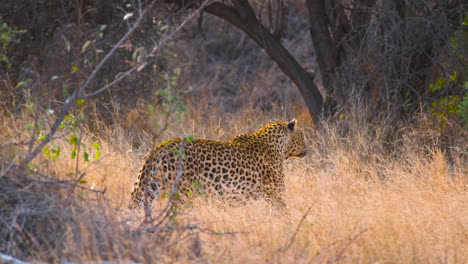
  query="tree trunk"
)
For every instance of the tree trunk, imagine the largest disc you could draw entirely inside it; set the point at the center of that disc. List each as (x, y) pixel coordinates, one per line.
(323, 43)
(243, 17)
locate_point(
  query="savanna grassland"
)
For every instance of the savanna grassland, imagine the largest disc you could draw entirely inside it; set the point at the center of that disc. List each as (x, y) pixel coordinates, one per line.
(358, 197)
(385, 179)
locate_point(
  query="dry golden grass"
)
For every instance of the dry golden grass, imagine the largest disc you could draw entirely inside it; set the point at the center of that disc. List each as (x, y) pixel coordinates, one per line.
(349, 201)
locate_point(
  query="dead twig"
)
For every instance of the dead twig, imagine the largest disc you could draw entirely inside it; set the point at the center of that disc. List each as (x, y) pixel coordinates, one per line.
(350, 241)
(169, 205)
(291, 241)
(9, 259)
(65, 182)
(9, 166)
(78, 93)
(194, 227)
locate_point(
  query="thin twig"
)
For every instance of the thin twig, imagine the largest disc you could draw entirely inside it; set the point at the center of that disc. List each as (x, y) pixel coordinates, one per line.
(33, 132)
(194, 227)
(22, 142)
(53, 129)
(77, 93)
(135, 25)
(165, 212)
(8, 167)
(68, 183)
(350, 240)
(291, 241)
(157, 46)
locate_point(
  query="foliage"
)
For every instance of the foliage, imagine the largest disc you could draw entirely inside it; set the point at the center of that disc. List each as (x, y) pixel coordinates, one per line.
(463, 107)
(449, 106)
(8, 35)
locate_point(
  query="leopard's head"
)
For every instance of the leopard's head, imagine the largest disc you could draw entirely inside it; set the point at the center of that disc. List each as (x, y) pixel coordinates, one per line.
(295, 146)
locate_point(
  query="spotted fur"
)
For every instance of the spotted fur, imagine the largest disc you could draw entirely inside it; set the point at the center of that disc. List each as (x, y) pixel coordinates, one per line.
(247, 166)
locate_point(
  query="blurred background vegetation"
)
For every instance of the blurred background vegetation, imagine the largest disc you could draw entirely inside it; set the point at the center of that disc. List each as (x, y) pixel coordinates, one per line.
(382, 60)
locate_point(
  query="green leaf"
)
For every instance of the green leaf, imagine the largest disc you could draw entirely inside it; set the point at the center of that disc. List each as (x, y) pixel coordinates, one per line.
(29, 127)
(67, 44)
(74, 68)
(41, 138)
(23, 83)
(97, 155)
(163, 92)
(175, 151)
(79, 102)
(189, 138)
(46, 149)
(85, 46)
(141, 67)
(151, 108)
(118, 75)
(55, 156)
(441, 83)
(55, 151)
(38, 129)
(83, 182)
(96, 145)
(102, 27)
(73, 153)
(176, 71)
(86, 156)
(73, 140)
(465, 21)
(454, 76)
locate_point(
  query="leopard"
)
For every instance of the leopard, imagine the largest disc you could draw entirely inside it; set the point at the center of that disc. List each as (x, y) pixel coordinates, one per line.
(247, 166)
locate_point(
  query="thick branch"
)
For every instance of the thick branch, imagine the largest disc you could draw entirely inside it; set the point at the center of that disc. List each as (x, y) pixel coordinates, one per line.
(243, 17)
(323, 43)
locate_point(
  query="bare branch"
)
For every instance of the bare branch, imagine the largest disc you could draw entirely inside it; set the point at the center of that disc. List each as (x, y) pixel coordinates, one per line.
(53, 129)
(162, 43)
(350, 241)
(79, 93)
(291, 241)
(243, 17)
(135, 25)
(9, 259)
(67, 183)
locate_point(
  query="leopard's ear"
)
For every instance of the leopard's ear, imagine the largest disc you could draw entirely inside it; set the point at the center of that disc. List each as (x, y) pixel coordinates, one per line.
(292, 124)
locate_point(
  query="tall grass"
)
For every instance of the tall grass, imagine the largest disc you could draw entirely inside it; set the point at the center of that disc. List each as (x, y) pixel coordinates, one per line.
(362, 195)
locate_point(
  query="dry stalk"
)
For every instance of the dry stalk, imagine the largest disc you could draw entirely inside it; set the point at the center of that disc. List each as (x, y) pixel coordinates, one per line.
(291, 241)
